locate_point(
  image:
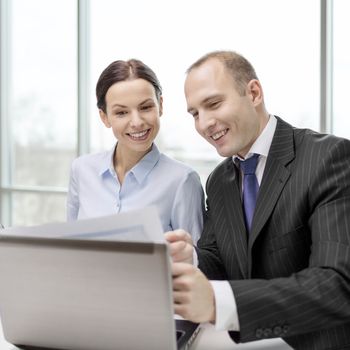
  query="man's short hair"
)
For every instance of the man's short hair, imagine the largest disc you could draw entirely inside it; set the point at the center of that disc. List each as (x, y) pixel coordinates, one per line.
(242, 70)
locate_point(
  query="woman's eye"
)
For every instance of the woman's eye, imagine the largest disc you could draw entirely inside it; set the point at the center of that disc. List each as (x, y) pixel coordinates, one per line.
(121, 113)
(147, 107)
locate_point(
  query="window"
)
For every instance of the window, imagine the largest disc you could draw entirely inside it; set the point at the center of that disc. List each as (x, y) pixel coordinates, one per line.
(40, 112)
(341, 73)
(45, 122)
(169, 36)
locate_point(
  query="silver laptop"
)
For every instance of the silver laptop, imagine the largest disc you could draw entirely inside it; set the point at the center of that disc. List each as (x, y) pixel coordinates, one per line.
(79, 293)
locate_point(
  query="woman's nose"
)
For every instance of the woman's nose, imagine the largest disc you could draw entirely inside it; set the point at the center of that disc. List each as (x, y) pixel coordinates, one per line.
(136, 119)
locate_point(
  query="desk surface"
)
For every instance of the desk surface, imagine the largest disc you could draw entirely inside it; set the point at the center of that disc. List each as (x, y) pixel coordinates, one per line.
(207, 339)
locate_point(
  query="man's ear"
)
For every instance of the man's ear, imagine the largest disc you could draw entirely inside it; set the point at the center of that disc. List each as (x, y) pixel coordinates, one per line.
(104, 118)
(160, 106)
(254, 90)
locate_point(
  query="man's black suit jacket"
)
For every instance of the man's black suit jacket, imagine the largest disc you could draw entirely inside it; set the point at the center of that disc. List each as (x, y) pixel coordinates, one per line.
(291, 275)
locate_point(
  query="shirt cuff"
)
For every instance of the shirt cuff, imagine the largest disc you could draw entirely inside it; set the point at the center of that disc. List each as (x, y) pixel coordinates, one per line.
(195, 257)
(226, 308)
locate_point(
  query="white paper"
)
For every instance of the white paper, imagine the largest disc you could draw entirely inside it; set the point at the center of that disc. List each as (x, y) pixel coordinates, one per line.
(142, 225)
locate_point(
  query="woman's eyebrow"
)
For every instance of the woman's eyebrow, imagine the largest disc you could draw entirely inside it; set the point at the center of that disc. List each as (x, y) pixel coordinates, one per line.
(145, 101)
(118, 105)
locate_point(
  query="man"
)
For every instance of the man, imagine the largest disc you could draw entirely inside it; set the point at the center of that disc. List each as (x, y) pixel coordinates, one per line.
(274, 256)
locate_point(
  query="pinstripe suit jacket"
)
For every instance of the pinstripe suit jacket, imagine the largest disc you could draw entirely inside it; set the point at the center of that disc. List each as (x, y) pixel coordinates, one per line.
(291, 276)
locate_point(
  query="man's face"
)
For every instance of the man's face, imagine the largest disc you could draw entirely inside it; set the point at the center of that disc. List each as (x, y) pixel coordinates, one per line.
(222, 116)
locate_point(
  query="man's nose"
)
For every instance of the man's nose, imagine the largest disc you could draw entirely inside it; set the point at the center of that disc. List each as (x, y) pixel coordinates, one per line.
(206, 122)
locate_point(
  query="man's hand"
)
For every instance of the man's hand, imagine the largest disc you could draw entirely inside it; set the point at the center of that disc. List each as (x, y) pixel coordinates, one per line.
(181, 246)
(193, 294)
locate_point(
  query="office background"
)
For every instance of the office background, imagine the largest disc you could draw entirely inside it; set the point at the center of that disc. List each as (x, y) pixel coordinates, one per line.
(52, 53)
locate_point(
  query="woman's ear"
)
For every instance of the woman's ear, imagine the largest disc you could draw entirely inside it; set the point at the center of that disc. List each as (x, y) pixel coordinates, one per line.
(255, 91)
(160, 106)
(104, 118)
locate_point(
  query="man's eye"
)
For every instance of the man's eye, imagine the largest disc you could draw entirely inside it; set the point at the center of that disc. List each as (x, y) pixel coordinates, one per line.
(215, 104)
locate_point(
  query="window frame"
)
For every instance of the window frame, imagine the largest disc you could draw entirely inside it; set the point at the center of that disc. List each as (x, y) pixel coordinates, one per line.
(7, 189)
(83, 83)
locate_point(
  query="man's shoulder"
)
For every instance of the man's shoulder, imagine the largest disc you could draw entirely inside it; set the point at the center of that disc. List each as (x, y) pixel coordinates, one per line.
(310, 140)
(220, 170)
(307, 138)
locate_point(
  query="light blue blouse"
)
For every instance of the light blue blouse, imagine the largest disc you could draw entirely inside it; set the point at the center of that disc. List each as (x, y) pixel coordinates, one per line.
(171, 186)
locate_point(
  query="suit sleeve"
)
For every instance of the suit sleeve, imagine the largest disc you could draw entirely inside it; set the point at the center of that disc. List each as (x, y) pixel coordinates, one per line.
(317, 297)
(209, 260)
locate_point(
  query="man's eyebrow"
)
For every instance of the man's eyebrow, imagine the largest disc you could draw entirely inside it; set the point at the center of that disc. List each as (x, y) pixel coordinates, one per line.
(212, 97)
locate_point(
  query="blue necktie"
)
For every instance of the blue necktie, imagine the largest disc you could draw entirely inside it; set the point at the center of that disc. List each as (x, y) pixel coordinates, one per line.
(250, 188)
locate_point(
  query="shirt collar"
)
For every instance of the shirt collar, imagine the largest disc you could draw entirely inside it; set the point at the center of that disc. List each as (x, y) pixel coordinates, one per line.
(146, 164)
(140, 170)
(263, 143)
(107, 162)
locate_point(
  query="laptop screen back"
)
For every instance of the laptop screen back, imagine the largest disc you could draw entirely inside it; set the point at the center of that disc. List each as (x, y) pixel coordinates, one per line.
(75, 293)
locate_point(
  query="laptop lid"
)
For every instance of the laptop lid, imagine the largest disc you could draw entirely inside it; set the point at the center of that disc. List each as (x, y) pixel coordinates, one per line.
(74, 293)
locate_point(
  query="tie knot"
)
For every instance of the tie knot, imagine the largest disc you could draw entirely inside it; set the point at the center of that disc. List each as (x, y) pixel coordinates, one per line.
(248, 166)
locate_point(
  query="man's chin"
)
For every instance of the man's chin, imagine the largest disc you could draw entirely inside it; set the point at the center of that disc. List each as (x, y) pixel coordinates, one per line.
(224, 152)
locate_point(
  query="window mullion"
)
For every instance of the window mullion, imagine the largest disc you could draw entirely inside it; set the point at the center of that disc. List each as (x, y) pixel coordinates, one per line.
(326, 67)
(5, 100)
(83, 143)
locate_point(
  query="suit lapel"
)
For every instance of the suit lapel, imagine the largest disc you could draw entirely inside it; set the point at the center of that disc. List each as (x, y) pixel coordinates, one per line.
(274, 179)
(234, 216)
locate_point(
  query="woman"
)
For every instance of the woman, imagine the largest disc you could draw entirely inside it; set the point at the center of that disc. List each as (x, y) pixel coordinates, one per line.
(134, 174)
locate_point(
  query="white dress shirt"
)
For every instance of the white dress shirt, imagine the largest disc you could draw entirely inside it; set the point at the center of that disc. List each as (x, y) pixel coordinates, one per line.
(171, 186)
(226, 308)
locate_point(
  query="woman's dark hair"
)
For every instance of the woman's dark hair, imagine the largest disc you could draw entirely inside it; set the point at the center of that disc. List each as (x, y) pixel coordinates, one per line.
(124, 70)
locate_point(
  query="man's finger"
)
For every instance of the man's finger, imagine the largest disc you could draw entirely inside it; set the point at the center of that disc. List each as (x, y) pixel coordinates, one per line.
(177, 247)
(177, 235)
(180, 268)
